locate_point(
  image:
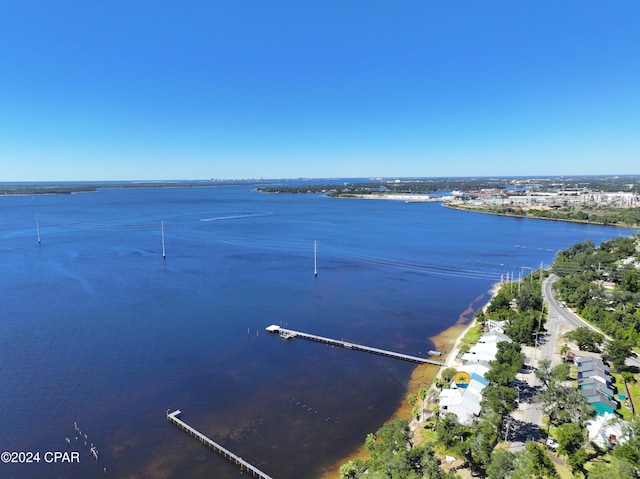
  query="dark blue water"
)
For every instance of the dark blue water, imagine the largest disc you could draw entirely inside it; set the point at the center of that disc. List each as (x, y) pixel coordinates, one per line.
(96, 327)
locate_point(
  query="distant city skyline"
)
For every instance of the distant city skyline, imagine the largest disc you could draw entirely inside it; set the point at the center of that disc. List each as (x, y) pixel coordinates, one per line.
(161, 91)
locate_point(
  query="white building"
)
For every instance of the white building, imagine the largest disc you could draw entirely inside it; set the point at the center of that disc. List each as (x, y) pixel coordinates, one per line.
(608, 430)
(464, 402)
(464, 399)
(486, 348)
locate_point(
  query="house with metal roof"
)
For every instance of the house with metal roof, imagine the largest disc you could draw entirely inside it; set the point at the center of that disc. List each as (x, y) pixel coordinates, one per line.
(464, 402)
(609, 430)
(486, 348)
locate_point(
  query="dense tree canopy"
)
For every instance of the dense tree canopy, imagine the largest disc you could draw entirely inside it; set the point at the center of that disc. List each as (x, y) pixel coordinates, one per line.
(533, 463)
(509, 360)
(617, 351)
(603, 285)
(391, 458)
(586, 338)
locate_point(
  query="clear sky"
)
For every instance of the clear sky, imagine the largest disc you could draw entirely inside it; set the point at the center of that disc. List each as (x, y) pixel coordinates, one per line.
(197, 89)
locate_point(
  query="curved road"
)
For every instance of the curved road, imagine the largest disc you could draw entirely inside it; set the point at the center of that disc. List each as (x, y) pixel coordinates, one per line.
(528, 417)
(568, 316)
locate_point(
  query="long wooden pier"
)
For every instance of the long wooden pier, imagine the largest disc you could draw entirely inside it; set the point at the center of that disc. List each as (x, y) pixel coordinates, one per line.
(289, 333)
(228, 455)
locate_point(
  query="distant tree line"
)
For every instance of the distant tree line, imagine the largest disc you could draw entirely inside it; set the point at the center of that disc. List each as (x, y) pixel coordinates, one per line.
(65, 188)
(406, 185)
(603, 215)
(43, 189)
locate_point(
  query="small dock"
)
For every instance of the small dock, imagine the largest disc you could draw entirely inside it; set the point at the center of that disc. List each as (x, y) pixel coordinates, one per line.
(289, 333)
(228, 455)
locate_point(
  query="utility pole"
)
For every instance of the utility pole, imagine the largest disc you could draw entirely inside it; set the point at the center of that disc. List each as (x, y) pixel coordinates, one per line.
(541, 263)
(542, 311)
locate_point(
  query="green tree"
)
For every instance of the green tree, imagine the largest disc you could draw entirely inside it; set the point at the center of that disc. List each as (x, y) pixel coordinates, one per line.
(551, 376)
(522, 327)
(352, 469)
(391, 457)
(388, 448)
(422, 394)
(570, 437)
(533, 463)
(562, 404)
(586, 338)
(529, 297)
(502, 300)
(617, 351)
(620, 248)
(430, 466)
(509, 360)
(411, 399)
(449, 432)
(481, 445)
(629, 452)
(617, 312)
(415, 412)
(616, 468)
(577, 460)
(630, 281)
(499, 399)
(628, 377)
(447, 374)
(501, 464)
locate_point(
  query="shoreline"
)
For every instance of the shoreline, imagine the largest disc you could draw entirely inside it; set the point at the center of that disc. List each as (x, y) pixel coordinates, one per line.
(424, 375)
(566, 220)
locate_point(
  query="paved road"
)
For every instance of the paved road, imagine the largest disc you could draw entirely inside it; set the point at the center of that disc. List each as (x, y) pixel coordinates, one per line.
(569, 317)
(528, 417)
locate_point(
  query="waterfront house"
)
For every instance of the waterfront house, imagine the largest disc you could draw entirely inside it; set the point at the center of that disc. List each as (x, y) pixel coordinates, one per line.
(463, 402)
(486, 348)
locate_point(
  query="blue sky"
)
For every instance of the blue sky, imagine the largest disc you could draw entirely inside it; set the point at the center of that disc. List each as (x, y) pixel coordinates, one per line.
(109, 90)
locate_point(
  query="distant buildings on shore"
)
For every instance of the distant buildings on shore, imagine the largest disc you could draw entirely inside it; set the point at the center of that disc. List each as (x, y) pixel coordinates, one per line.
(558, 199)
(516, 196)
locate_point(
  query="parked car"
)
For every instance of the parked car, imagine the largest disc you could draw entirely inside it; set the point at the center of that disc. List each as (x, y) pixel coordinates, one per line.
(552, 443)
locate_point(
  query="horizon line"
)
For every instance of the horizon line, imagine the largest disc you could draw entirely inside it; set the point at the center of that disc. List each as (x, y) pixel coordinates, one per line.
(310, 178)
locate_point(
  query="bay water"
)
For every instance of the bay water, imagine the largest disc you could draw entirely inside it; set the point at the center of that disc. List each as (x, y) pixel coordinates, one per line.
(97, 328)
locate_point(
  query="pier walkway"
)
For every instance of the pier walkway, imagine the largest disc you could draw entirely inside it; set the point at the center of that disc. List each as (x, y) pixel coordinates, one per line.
(289, 333)
(228, 455)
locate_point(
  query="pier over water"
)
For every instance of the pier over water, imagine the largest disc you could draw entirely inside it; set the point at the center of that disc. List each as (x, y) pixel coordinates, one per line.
(228, 455)
(289, 333)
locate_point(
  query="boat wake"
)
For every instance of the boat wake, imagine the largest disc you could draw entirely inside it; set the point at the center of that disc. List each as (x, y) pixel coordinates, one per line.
(233, 217)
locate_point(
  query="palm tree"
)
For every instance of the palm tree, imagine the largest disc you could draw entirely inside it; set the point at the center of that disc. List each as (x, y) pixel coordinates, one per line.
(422, 394)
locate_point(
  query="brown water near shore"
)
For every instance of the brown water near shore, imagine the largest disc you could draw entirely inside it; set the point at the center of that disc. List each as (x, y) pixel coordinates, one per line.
(422, 376)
